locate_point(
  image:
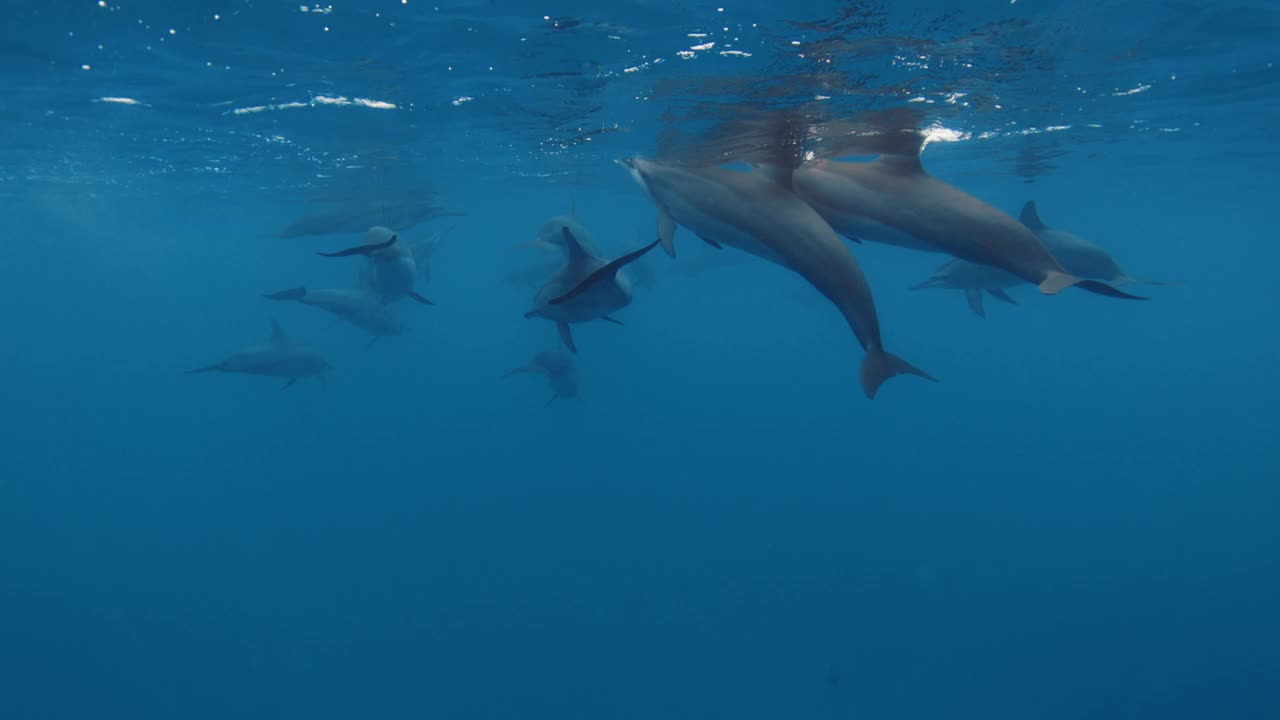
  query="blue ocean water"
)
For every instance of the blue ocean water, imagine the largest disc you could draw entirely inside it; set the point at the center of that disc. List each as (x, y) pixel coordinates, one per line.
(1078, 520)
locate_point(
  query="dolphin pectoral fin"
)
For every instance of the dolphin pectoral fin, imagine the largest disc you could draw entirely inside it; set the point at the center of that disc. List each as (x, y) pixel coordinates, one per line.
(277, 332)
(1056, 282)
(930, 283)
(289, 384)
(566, 337)
(205, 369)
(667, 230)
(974, 298)
(880, 365)
(606, 318)
(362, 249)
(999, 294)
(1126, 280)
(371, 342)
(420, 299)
(553, 399)
(607, 272)
(711, 242)
(519, 371)
(291, 294)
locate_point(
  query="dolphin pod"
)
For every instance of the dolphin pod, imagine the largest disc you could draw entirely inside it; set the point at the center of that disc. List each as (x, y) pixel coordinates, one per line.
(280, 356)
(757, 212)
(782, 187)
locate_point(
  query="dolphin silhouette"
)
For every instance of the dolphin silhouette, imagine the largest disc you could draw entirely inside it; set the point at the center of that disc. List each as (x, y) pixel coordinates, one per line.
(559, 370)
(281, 356)
(757, 212)
(973, 279)
(356, 306)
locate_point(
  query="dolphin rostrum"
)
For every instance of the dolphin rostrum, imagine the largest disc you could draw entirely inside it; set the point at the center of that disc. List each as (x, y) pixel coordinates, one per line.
(559, 370)
(586, 287)
(356, 306)
(892, 199)
(392, 266)
(281, 356)
(1079, 256)
(757, 212)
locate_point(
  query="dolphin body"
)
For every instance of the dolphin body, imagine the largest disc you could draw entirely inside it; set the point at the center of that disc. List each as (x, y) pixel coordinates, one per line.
(559, 370)
(973, 279)
(392, 267)
(356, 306)
(892, 199)
(586, 287)
(757, 212)
(1079, 256)
(281, 356)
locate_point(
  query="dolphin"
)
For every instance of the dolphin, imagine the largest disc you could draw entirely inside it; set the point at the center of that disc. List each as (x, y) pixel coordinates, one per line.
(892, 199)
(973, 279)
(757, 212)
(392, 266)
(586, 288)
(281, 356)
(1079, 256)
(356, 306)
(559, 370)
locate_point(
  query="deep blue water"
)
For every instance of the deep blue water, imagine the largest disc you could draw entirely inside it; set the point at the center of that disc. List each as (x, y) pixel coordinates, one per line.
(1078, 520)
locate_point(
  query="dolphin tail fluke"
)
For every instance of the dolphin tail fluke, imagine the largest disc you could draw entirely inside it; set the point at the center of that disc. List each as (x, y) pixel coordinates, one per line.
(880, 365)
(974, 298)
(1001, 295)
(205, 369)
(361, 249)
(1056, 282)
(566, 337)
(420, 299)
(291, 294)
(604, 273)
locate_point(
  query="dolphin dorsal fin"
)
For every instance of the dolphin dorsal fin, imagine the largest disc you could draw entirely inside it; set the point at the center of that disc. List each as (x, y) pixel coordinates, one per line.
(1031, 218)
(277, 332)
(572, 246)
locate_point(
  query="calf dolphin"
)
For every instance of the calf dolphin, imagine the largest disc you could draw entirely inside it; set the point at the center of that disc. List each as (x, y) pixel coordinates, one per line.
(973, 279)
(586, 288)
(392, 267)
(757, 212)
(281, 356)
(356, 306)
(892, 199)
(559, 371)
(1079, 256)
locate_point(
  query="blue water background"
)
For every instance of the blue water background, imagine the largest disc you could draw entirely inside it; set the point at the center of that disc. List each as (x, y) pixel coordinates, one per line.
(1078, 520)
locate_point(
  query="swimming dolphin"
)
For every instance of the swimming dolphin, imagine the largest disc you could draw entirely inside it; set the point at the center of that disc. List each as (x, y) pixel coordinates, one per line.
(892, 199)
(281, 356)
(559, 371)
(586, 288)
(1079, 256)
(973, 279)
(392, 267)
(356, 306)
(757, 212)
